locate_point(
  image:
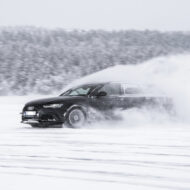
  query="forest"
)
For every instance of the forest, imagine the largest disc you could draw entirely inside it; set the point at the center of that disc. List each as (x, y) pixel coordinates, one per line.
(42, 61)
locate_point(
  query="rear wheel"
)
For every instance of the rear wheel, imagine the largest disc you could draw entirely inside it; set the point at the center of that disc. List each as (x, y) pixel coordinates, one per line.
(76, 118)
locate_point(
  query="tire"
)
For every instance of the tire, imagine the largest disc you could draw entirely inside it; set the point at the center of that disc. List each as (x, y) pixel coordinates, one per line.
(76, 118)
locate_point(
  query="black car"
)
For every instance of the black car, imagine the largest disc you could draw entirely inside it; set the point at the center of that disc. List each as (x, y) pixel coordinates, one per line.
(72, 107)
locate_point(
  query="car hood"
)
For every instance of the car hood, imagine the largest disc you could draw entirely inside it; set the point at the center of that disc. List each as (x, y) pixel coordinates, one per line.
(53, 100)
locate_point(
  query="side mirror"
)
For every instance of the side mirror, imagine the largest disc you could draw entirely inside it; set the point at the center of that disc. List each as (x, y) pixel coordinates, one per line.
(101, 93)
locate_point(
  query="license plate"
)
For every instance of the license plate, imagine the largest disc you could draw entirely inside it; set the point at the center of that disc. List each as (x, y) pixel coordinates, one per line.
(29, 113)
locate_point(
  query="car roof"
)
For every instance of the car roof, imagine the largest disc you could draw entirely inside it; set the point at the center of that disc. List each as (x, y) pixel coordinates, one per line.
(111, 82)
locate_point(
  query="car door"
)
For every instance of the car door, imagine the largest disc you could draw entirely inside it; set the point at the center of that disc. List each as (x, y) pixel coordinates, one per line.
(132, 96)
(112, 98)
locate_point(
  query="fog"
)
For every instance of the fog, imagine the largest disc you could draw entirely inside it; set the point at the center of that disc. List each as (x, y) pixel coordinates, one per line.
(167, 76)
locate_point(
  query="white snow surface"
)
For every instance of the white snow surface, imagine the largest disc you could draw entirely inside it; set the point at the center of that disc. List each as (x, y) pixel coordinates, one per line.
(102, 156)
(146, 150)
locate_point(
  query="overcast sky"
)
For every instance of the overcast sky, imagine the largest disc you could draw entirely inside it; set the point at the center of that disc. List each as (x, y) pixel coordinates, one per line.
(97, 14)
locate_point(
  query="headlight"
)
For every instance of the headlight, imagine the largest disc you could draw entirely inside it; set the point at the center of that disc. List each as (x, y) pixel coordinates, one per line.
(53, 106)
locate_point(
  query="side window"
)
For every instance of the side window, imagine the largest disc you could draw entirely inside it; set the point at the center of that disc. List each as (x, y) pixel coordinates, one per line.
(131, 90)
(111, 89)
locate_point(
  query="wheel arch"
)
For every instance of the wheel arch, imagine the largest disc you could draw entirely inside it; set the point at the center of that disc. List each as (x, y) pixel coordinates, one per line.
(75, 106)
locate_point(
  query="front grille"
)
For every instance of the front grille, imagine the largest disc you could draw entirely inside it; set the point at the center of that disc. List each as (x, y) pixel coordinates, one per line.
(42, 115)
(30, 108)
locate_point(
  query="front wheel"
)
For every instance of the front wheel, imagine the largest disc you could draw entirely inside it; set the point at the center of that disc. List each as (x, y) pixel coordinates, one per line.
(76, 118)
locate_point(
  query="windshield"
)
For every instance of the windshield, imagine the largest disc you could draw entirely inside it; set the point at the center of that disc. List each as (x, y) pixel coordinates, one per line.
(80, 91)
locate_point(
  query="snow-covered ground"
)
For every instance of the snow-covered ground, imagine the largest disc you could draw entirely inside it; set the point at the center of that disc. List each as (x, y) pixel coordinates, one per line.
(118, 156)
(146, 150)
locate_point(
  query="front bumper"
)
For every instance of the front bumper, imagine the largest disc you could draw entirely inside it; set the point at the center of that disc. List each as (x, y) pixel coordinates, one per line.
(30, 121)
(44, 116)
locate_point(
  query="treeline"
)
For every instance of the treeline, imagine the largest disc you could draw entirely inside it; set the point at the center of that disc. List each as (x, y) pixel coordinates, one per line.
(36, 60)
